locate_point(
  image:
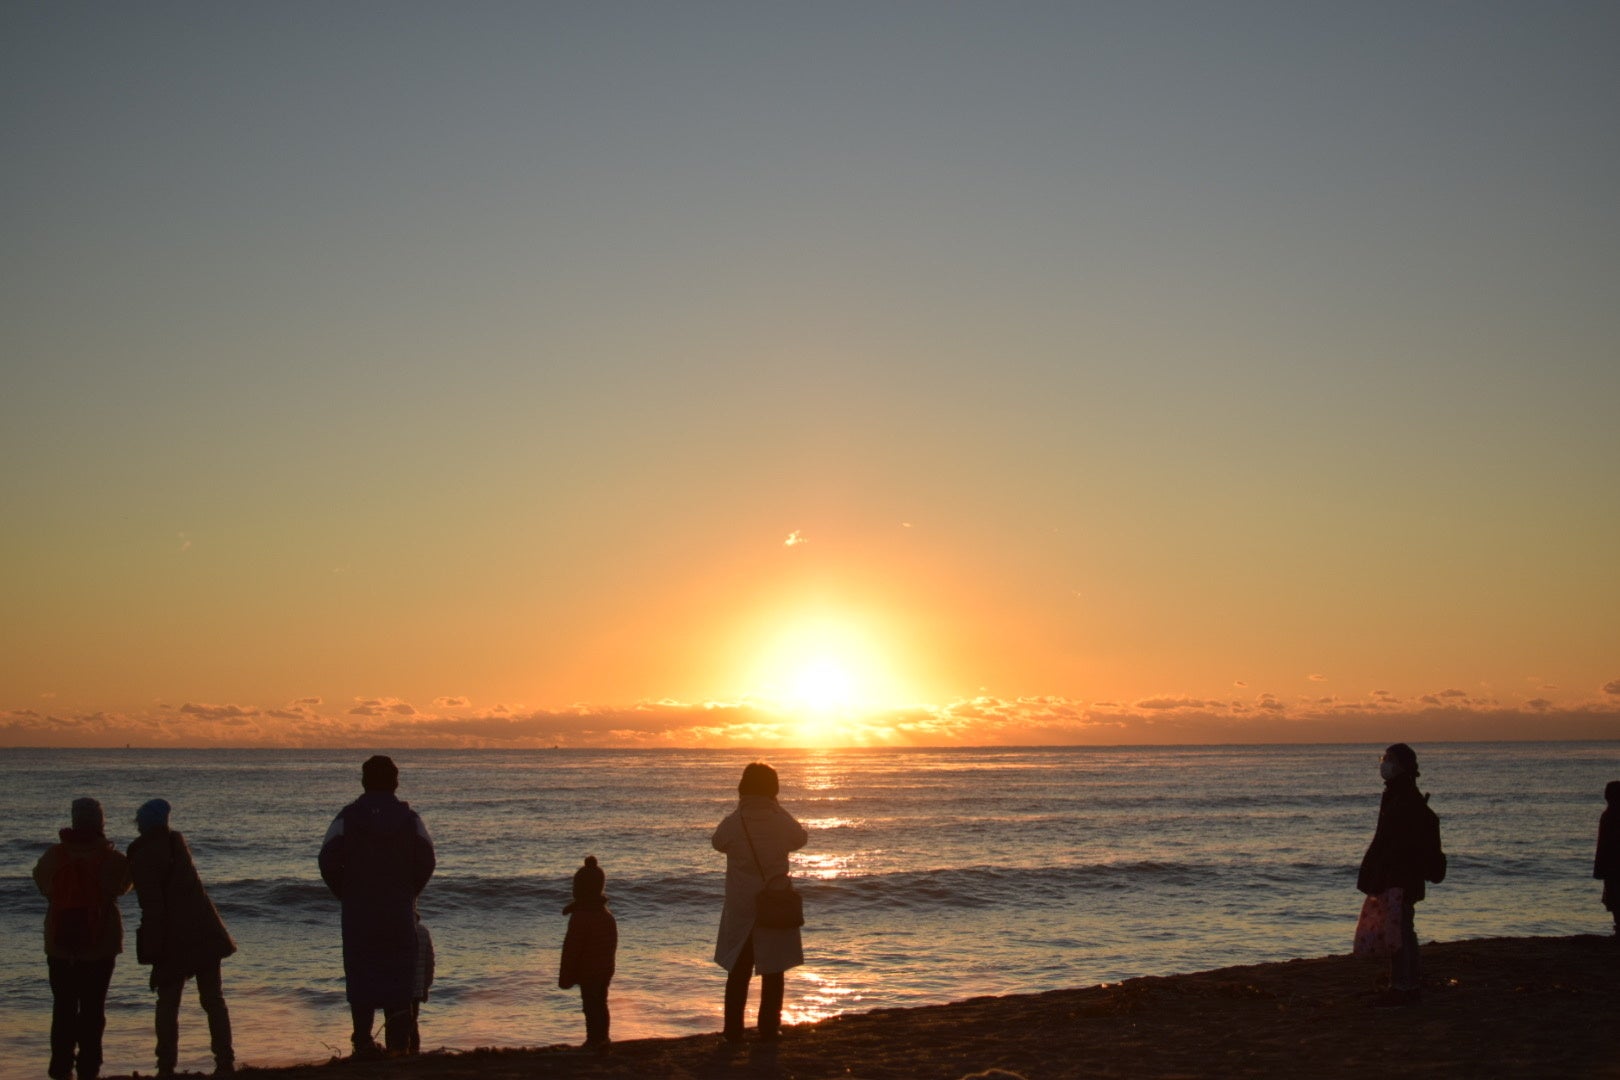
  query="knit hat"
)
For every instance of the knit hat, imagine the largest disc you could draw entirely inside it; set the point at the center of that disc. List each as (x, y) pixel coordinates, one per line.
(153, 814)
(1406, 756)
(87, 815)
(379, 773)
(1611, 791)
(589, 881)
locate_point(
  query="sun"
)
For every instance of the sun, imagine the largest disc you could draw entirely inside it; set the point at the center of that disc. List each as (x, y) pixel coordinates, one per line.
(822, 684)
(822, 671)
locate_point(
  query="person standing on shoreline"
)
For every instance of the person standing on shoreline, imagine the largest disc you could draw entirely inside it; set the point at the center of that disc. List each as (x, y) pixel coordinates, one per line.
(588, 951)
(1404, 853)
(181, 935)
(756, 838)
(82, 876)
(376, 858)
(1606, 864)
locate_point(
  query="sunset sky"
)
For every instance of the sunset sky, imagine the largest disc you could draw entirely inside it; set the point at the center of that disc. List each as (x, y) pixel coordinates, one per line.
(710, 374)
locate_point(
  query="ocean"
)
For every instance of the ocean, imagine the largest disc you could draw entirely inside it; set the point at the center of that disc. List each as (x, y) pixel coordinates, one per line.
(930, 876)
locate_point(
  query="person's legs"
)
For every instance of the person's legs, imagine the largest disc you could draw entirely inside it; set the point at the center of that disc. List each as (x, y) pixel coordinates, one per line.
(92, 978)
(64, 1018)
(211, 995)
(771, 990)
(593, 998)
(397, 1027)
(1406, 967)
(170, 987)
(416, 1027)
(364, 1017)
(737, 991)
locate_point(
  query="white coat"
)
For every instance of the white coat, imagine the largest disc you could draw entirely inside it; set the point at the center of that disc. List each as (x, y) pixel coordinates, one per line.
(774, 833)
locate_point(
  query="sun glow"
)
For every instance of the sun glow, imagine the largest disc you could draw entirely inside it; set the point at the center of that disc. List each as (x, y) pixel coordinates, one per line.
(825, 673)
(822, 684)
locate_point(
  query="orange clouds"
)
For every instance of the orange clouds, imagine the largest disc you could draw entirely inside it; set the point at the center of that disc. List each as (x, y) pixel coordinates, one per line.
(1444, 715)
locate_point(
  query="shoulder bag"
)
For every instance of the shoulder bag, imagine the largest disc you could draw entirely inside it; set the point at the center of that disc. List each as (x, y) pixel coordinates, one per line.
(778, 905)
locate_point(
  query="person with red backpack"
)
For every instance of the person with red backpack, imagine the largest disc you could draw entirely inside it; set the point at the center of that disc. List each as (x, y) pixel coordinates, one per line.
(82, 876)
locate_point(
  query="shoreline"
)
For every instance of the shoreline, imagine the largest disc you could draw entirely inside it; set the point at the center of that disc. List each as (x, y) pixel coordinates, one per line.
(1503, 1007)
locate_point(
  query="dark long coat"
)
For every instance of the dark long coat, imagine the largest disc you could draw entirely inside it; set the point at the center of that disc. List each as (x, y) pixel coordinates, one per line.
(376, 859)
(1606, 864)
(181, 932)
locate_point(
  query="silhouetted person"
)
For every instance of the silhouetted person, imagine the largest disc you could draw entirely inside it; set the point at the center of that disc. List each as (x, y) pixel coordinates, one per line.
(181, 935)
(756, 837)
(1405, 851)
(82, 876)
(376, 858)
(588, 951)
(1607, 863)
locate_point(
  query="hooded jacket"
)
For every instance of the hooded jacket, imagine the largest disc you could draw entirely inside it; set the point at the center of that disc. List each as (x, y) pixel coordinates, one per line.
(376, 858)
(112, 872)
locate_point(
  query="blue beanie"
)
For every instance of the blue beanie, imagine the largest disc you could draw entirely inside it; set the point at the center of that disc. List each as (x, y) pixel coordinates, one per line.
(153, 814)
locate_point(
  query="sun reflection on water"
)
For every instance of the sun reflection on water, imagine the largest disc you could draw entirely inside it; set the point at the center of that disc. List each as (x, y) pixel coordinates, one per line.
(822, 867)
(818, 997)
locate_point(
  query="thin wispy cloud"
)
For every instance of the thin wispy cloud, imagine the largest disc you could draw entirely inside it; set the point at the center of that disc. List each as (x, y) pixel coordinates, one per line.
(216, 713)
(382, 707)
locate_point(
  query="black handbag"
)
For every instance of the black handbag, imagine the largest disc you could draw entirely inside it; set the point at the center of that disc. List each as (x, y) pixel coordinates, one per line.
(778, 906)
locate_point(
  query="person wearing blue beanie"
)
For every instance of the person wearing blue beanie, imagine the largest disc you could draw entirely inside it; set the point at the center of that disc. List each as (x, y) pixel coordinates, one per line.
(153, 814)
(181, 936)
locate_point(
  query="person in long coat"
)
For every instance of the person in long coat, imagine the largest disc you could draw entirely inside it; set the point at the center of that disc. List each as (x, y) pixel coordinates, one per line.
(376, 858)
(756, 838)
(82, 876)
(1606, 863)
(181, 935)
(1405, 851)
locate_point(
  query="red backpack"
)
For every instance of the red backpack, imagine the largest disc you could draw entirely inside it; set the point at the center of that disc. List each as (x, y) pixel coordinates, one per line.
(78, 904)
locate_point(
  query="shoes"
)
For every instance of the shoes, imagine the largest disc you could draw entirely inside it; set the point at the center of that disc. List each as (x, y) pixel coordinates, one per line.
(367, 1052)
(227, 1067)
(770, 1034)
(597, 1046)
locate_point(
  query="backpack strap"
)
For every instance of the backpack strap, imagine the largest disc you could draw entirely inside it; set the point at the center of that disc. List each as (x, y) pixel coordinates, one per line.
(743, 821)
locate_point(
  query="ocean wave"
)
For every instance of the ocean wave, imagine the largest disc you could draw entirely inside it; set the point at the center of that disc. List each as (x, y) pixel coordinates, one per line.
(953, 887)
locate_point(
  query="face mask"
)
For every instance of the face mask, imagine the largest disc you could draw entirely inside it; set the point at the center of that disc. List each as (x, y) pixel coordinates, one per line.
(1389, 770)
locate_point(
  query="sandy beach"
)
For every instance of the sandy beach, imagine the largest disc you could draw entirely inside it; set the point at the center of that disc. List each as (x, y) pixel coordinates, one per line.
(1503, 1007)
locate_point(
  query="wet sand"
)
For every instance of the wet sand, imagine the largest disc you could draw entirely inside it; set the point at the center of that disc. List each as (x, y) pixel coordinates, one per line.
(1504, 1007)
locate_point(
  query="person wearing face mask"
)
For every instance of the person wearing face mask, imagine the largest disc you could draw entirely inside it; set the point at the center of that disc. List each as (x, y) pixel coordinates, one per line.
(1405, 853)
